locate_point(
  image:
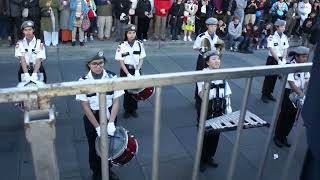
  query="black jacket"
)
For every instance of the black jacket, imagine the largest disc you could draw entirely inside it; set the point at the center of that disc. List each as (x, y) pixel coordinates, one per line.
(177, 9)
(117, 9)
(33, 6)
(143, 6)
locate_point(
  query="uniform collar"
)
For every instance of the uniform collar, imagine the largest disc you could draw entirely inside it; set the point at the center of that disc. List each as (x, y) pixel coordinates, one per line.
(33, 39)
(277, 34)
(89, 75)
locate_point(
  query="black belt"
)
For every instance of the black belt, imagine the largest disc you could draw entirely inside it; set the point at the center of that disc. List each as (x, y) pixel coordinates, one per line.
(129, 66)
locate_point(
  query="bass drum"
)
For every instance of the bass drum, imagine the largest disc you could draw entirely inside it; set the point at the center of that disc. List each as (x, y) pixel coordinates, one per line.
(123, 146)
(142, 94)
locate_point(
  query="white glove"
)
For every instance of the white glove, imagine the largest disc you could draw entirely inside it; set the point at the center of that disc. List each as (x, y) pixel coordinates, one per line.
(34, 77)
(129, 75)
(282, 62)
(122, 16)
(25, 12)
(98, 130)
(136, 73)
(27, 77)
(64, 3)
(111, 128)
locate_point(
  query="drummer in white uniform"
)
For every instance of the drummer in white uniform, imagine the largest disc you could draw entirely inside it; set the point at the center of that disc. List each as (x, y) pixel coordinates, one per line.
(278, 50)
(31, 54)
(296, 85)
(90, 106)
(130, 54)
(218, 105)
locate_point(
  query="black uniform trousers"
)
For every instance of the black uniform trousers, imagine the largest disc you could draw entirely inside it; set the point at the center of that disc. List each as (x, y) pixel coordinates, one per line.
(94, 159)
(211, 140)
(143, 27)
(286, 117)
(30, 70)
(269, 81)
(130, 104)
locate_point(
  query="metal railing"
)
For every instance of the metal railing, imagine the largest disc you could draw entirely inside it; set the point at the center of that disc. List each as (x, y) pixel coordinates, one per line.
(44, 93)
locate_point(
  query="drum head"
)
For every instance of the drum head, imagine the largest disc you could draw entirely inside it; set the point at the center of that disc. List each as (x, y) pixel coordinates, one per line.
(117, 143)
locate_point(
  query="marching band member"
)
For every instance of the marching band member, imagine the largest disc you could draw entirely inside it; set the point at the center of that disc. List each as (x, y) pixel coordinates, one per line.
(219, 104)
(296, 85)
(90, 106)
(278, 49)
(31, 53)
(211, 35)
(130, 54)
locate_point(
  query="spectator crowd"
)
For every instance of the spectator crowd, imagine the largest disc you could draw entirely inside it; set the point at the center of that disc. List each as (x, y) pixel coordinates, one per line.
(246, 24)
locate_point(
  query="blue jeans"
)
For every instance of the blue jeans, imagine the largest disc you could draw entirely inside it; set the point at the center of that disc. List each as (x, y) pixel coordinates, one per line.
(232, 40)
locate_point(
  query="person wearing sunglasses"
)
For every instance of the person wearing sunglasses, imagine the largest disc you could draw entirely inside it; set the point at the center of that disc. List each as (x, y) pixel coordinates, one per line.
(90, 106)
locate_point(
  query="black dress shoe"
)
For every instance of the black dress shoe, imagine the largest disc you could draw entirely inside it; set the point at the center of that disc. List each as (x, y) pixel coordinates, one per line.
(113, 176)
(203, 167)
(211, 163)
(286, 143)
(126, 115)
(278, 142)
(264, 99)
(270, 97)
(134, 114)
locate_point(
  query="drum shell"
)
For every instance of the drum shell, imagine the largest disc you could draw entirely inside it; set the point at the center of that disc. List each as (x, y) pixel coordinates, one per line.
(129, 152)
(143, 95)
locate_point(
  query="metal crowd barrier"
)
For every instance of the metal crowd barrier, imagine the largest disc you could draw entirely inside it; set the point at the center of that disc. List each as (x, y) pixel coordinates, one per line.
(46, 167)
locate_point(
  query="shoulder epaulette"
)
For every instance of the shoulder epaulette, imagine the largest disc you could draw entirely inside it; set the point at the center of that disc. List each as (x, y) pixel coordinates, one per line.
(202, 34)
(110, 72)
(84, 77)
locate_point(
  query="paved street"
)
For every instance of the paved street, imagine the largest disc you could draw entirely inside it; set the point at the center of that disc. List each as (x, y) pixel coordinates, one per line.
(178, 123)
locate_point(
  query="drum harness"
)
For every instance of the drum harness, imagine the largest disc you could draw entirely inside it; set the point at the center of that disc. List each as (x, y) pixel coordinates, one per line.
(218, 103)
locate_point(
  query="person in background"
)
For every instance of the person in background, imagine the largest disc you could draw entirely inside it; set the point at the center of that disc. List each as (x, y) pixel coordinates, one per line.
(143, 11)
(250, 12)
(190, 10)
(50, 21)
(279, 10)
(93, 20)
(247, 33)
(306, 28)
(265, 33)
(14, 12)
(222, 30)
(130, 55)
(304, 9)
(220, 9)
(104, 20)
(78, 9)
(31, 11)
(316, 8)
(176, 18)
(162, 8)
(256, 37)
(121, 17)
(66, 34)
(234, 33)
(31, 53)
(291, 19)
(237, 6)
(205, 11)
(4, 28)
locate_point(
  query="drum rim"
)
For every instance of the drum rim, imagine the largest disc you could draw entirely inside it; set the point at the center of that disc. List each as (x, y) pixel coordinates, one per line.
(116, 155)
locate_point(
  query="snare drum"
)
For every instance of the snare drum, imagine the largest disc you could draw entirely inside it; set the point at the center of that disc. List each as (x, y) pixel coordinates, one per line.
(142, 94)
(123, 146)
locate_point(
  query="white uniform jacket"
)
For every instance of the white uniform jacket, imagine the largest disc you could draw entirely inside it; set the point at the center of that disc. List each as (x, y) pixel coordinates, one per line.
(130, 55)
(32, 51)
